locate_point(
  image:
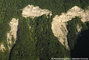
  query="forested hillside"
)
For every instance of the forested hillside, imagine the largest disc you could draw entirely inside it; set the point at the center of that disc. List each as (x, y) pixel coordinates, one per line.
(35, 39)
(39, 42)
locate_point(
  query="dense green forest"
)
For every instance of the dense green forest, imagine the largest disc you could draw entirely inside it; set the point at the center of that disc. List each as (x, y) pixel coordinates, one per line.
(38, 41)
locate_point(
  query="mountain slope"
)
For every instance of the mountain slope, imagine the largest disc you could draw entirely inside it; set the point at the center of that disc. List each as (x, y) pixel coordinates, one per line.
(34, 35)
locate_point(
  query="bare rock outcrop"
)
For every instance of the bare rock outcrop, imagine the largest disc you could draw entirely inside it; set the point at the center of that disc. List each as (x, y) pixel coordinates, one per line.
(13, 32)
(34, 11)
(2, 47)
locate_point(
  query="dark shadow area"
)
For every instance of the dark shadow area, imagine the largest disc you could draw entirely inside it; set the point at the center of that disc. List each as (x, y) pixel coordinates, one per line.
(11, 52)
(81, 49)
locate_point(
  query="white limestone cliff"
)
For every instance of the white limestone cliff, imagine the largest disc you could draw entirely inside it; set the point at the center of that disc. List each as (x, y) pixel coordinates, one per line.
(13, 32)
(34, 11)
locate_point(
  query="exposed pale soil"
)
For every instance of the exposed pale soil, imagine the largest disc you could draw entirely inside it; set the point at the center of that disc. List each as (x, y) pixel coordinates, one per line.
(79, 28)
(34, 11)
(72, 13)
(2, 47)
(13, 32)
